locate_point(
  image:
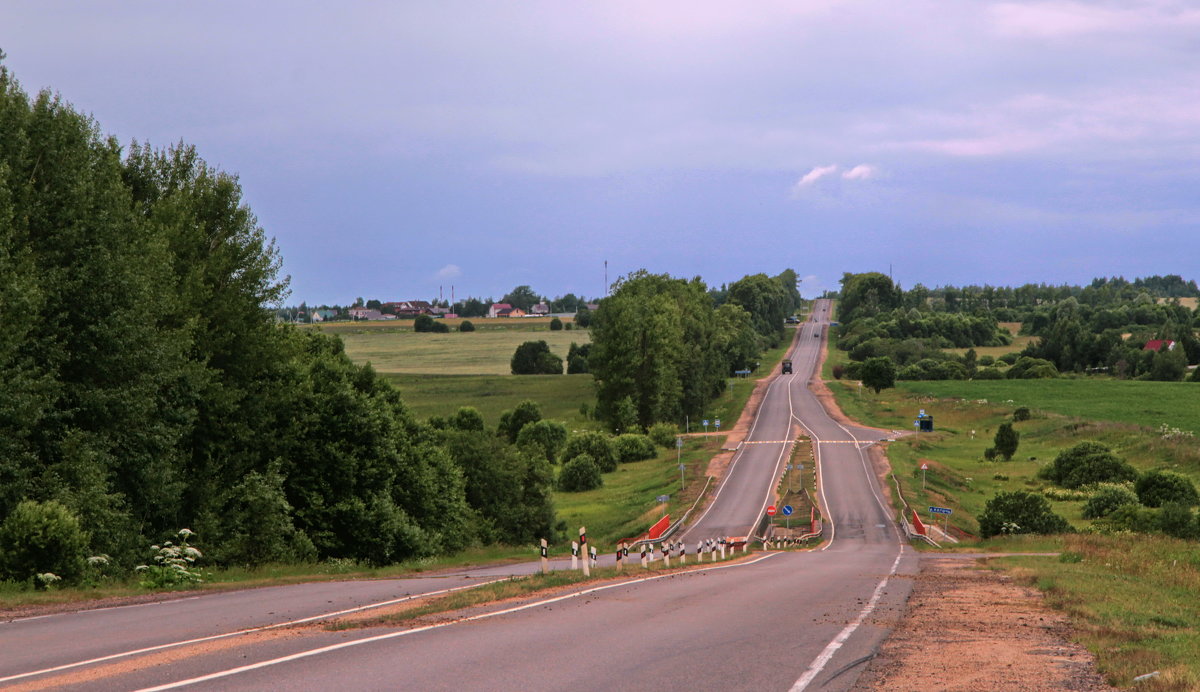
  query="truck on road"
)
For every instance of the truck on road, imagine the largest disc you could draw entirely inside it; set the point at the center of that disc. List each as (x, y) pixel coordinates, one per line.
(787, 367)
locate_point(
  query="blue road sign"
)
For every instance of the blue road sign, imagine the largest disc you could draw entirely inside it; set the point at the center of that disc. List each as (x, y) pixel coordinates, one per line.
(941, 510)
(787, 510)
(705, 422)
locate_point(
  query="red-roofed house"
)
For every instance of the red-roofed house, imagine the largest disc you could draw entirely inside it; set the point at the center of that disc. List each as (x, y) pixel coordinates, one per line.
(1159, 344)
(497, 308)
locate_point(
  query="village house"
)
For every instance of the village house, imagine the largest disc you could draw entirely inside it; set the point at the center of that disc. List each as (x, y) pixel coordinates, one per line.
(1159, 344)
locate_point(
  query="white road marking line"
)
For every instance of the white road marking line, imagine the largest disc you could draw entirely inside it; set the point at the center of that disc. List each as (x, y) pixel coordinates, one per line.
(426, 628)
(830, 649)
(171, 645)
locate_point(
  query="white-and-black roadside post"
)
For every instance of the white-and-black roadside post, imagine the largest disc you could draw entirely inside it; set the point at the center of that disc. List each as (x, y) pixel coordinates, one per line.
(620, 556)
(644, 563)
(666, 551)
(593, 559)
(574, 554)
(722, 548)
(583, 544)
(545, 558)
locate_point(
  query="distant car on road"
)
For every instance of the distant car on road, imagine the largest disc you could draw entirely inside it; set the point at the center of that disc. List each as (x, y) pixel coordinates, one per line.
(787, 367)
(792, 319)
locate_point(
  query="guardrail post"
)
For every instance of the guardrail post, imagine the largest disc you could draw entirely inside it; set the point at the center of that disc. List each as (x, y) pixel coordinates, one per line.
(587, 567)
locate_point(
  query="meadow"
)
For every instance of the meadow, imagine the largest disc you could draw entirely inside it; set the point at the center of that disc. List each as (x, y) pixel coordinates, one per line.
(394, 348)
(561, 397)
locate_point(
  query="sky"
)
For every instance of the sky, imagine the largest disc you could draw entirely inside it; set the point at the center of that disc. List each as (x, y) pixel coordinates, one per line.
(396, 149)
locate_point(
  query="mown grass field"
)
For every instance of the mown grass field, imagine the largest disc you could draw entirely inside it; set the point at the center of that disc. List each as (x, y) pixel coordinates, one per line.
(1148, 404)
(482, 352)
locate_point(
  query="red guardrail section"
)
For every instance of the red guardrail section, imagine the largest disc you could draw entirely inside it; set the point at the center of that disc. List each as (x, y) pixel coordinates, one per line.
(659, 527)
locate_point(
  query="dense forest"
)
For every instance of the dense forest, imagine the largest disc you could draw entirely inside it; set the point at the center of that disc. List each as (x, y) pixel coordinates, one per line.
(1101, 328)
(149, 387)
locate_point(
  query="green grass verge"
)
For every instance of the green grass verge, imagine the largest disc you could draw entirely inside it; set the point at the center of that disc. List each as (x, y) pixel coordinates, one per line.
(626, 506)
(1133, 603)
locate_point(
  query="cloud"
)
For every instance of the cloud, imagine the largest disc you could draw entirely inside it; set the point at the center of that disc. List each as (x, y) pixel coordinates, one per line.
(862, 171)
(816, 174)
(450, 271)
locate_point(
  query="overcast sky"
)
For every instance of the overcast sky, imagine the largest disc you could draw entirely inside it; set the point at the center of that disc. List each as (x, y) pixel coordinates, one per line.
(392, 148)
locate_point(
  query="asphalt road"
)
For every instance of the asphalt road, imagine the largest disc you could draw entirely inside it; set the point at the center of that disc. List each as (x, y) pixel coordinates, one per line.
(790, 620)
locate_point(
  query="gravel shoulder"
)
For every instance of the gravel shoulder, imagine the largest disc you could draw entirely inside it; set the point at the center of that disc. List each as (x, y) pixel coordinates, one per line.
(967, 627)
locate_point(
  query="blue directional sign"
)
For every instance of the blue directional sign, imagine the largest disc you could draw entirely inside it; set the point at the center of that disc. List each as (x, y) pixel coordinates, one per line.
(941, 510)
(787, 510)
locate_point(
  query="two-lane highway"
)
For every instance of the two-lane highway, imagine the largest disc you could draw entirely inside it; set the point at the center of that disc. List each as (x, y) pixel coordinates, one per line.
(792, 620)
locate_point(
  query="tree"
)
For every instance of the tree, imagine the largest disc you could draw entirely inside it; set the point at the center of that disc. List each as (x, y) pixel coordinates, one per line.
(547, 437)
(1006, 441)
(867, 295)
(512, 422)
(579, 474)
(577, 358)
(508, 488)
(1019, 511)
(583, 317)
(597, 445)
(521, 297)
(535, 358)
(878, 373)
(1157, 488)
(556, 325)
(767, 302)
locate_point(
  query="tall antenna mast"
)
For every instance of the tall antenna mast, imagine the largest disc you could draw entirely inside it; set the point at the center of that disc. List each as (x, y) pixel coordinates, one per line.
(606, 277)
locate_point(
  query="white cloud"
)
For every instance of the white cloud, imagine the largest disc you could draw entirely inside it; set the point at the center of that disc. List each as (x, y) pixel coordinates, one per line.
(816, 174)
(862, 171)
(450, 271)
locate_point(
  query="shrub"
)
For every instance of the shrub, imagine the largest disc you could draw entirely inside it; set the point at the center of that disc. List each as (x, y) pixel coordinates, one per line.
(425, 323)
(1021, 414)
(1157, 488)
(1028, 368)
(466, 326)
(986, 361)
(577, 358)
(1019, 511)
(1087, 463)
(988, 374)
(547, 437)
(535, 358)
(597, 445)
(633, 447)
(1135, 518)
(1177, 520)
(556, 325)
(838, 371)
(663, 434)
(579, 474)
(42, 538)
(1107, 498)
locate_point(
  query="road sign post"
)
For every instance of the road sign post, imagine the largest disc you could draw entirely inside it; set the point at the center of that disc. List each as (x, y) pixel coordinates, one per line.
(924, 468)
(679, 460)
(787, 512)
(705, 422)
(945, 512)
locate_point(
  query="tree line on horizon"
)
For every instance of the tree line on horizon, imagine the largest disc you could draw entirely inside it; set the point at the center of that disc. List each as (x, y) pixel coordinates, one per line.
(1100, 328)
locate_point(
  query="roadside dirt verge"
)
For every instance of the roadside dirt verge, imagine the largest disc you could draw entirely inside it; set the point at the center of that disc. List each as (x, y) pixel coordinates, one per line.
(967, 627)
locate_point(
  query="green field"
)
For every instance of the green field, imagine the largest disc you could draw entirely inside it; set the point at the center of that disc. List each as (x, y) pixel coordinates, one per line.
(483, 352)
(560, 396)
(1148, 404)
